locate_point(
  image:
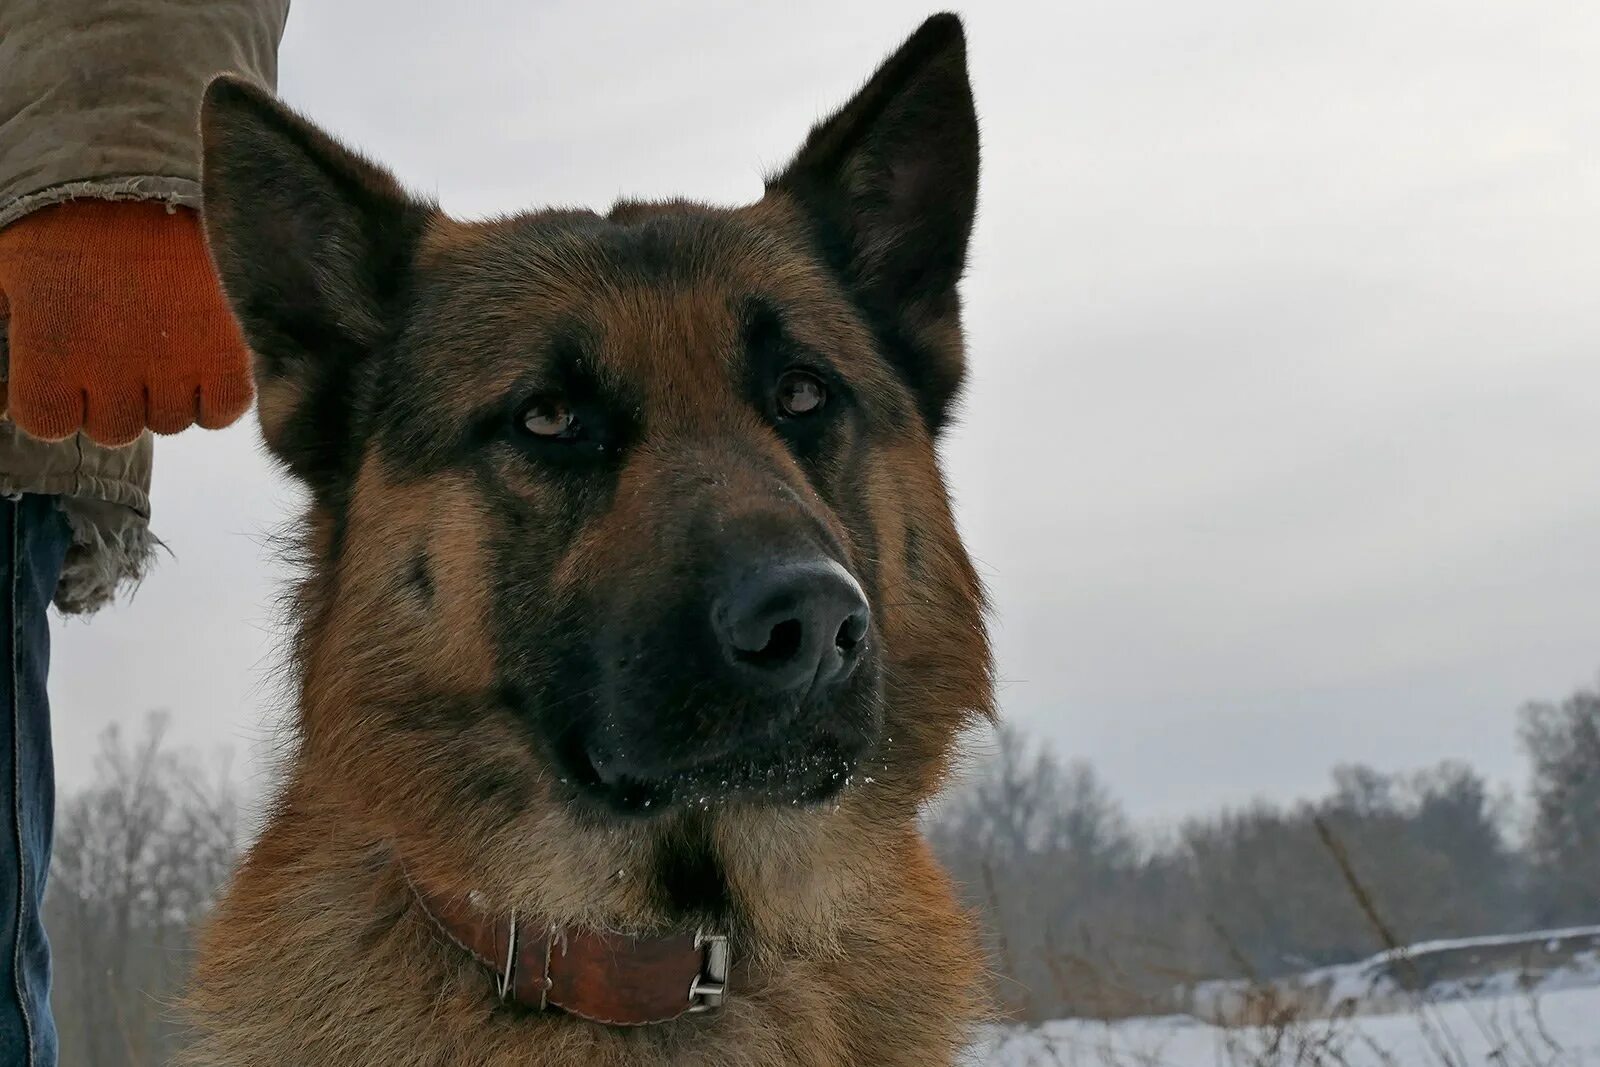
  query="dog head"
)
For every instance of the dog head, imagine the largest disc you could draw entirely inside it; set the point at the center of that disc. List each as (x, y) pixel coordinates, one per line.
(622, 513)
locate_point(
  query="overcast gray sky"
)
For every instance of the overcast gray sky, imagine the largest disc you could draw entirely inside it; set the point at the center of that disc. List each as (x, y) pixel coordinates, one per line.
(1282, 444)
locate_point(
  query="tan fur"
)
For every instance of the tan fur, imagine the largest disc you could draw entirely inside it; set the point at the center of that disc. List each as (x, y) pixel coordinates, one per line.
(442, 553)
(319, 954)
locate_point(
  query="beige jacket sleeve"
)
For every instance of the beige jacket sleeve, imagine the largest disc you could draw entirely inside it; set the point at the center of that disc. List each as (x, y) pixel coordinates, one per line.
(100, 98)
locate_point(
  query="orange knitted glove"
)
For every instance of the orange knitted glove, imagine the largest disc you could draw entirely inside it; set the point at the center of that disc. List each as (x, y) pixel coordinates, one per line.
(117, 322)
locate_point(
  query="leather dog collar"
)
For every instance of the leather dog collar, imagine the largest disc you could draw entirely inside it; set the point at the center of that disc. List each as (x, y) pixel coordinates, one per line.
(608, 978)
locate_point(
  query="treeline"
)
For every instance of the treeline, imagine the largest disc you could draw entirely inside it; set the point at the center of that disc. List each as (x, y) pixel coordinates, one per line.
(1087, 916)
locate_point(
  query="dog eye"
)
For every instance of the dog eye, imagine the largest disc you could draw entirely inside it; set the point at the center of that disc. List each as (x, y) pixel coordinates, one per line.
(550, 418)
(800, 394)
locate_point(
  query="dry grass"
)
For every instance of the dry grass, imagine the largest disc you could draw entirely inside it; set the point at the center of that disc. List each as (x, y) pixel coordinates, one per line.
(1275, 1028)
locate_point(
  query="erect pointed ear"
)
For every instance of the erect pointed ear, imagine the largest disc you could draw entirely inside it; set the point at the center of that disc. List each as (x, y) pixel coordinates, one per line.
(889, 186)
(314, 246)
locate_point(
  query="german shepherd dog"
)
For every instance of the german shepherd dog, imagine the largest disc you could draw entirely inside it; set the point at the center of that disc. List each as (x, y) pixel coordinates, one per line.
(635, 629)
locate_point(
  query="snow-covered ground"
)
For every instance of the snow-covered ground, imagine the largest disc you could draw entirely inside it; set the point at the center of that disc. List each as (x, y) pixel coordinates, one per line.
(1560, 1029)
(1521, 1000)
(1532, 963)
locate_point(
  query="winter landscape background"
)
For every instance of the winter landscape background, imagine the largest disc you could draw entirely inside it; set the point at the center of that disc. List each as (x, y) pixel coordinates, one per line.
(1279, 460)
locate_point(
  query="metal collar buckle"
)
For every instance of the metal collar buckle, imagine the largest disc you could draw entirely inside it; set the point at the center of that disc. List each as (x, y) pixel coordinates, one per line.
(710, 987)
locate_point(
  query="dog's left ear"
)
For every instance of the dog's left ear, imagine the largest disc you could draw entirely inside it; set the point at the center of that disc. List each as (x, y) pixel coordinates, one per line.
(314, 246)
(889, 186)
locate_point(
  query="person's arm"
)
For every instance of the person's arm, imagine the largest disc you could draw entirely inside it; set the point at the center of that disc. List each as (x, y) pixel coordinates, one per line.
(116, 321)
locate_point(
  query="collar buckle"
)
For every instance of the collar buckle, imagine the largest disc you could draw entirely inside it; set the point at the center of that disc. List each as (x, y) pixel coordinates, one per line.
(710, 987)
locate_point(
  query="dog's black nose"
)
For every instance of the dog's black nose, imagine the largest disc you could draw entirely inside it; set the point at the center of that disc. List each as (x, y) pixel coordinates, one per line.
(792, 626)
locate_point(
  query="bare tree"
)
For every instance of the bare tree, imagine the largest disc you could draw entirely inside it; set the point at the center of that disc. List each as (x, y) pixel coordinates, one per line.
(1046, 853)
(139, 856)
(1563, 742)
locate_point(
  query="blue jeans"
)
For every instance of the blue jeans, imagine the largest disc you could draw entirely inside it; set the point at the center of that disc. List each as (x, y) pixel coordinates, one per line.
(33, 546)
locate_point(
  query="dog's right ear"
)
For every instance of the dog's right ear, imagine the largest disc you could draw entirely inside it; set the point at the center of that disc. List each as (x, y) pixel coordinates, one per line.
(314, 245)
